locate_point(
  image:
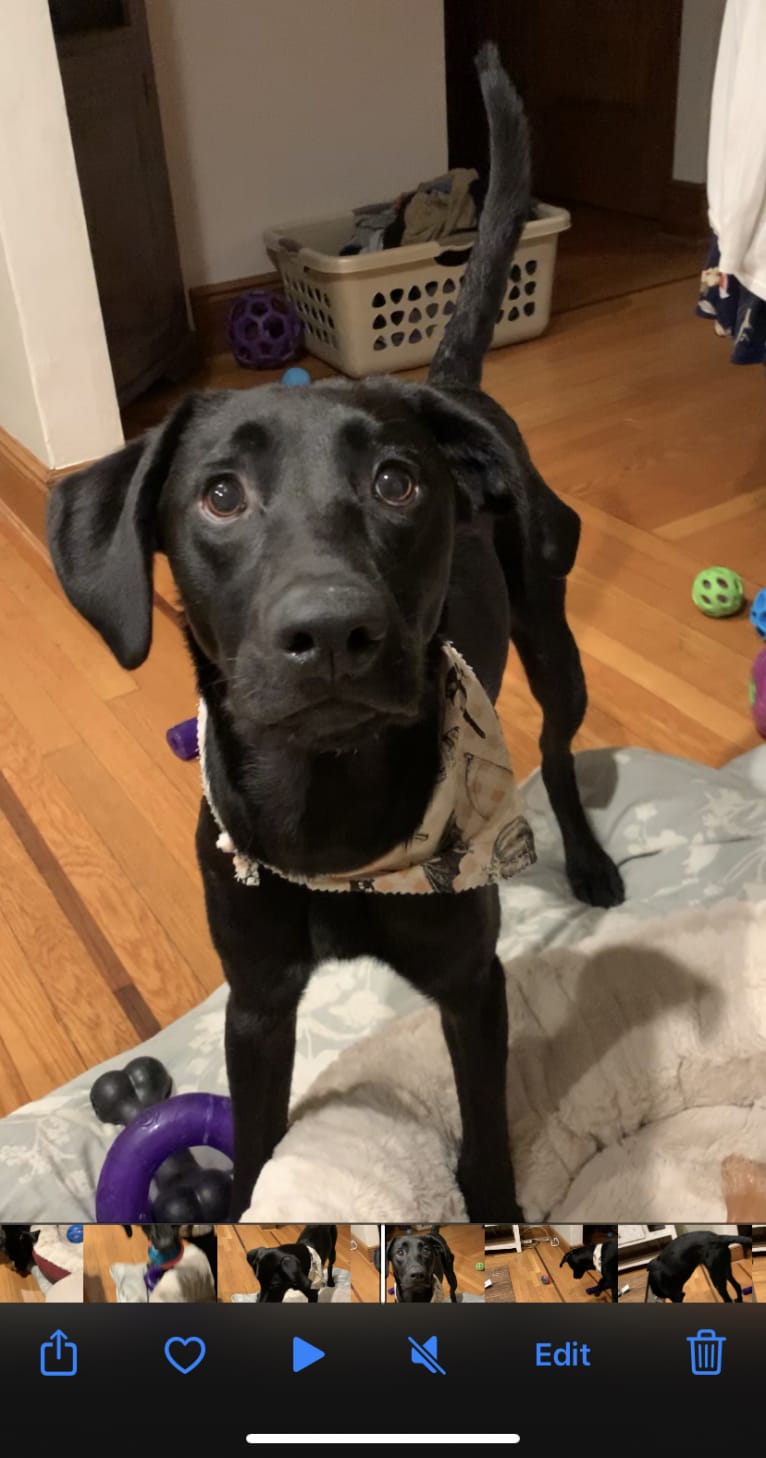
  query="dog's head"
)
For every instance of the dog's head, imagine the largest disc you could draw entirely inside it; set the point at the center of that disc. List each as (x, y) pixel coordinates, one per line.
(310, 533)
(414, 1260)
(277, 1270)
(164, 1238)
(580, 1261)
(18, 1242)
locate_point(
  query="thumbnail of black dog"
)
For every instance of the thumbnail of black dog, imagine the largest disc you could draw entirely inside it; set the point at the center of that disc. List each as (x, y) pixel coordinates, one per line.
(298, 1267)
(601, 1258)
(18, 1243)
(419, 1262)
(668, 1273)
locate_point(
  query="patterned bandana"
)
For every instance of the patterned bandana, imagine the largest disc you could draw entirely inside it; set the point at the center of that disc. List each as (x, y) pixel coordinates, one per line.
(474, 831)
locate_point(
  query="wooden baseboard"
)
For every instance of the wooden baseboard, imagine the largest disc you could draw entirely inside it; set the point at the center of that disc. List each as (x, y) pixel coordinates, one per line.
(25, 481)
(211, 305)
(684, 210)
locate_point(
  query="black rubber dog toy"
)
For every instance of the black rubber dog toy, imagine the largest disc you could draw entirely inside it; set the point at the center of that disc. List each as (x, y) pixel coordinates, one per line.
(185, 1192)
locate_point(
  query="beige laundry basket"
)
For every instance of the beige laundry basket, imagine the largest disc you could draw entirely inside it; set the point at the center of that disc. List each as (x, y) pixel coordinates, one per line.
(374, 313)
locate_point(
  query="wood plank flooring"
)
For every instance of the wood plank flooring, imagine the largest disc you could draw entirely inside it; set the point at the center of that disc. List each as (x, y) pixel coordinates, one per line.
(699, 1289)
(15, 1289)
(632, 412)
(517, 1276)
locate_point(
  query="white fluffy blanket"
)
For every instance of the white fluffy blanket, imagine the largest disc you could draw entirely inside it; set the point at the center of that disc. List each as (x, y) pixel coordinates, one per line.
(637, 1066)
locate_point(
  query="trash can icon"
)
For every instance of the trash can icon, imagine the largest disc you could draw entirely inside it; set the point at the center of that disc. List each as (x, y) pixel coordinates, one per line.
(706, 1353)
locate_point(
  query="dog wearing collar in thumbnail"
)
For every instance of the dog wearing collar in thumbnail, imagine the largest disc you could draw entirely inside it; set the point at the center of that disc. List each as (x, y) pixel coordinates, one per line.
(602, 1258)
(296, 1267)
(419, 1264)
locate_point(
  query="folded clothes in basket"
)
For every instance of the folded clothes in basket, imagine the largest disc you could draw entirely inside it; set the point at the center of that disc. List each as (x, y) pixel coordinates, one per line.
(438, 208)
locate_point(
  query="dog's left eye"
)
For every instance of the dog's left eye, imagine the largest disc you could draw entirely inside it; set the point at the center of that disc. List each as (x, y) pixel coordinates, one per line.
(224, 497)
(394, 485)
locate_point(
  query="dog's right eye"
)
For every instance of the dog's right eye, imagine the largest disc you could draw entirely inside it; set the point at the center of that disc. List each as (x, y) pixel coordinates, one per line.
(224, 497)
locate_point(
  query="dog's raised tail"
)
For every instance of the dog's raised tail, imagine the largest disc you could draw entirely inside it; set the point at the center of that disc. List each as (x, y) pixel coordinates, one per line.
(467, 338)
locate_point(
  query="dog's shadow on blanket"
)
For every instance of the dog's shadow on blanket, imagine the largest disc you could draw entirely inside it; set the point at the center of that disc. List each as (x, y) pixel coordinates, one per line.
(580, 1047)
(595, 1021)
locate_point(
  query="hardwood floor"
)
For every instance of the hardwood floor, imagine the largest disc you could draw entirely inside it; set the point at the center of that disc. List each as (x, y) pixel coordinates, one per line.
(699, 1289)
(15, 1289)
(517, 1276)
(632, 412)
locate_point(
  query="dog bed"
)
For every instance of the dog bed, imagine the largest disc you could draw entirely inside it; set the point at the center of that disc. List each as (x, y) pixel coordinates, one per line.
(686, 838)
(58, 1263)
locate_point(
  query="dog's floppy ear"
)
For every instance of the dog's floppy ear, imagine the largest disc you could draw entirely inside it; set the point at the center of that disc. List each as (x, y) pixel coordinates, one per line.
(102, 535)
(254, 1257)
(487, 455)
(389, 1249)
(34, 1236)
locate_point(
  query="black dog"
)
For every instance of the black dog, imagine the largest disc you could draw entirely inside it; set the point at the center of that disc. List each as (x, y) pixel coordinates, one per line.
(18, 1243)
(325, 543)
(162, 1237)
(298, 1267)
(668, 1273)
(601, 1258)
(419, 1262)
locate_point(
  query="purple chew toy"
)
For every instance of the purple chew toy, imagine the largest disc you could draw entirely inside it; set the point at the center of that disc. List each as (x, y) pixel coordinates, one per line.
(182, 739)
(758, 692)
(264, 330)
(183, 1122)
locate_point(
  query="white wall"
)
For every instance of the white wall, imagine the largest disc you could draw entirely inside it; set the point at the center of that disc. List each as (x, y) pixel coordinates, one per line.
(19, 414)
(716, 1229)
(278, 110)
(369, 1235)
(56, 388)
(570, 1234)
(700, 31)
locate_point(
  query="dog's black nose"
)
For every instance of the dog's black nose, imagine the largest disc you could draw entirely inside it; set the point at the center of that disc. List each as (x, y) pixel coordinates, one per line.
(335, 630)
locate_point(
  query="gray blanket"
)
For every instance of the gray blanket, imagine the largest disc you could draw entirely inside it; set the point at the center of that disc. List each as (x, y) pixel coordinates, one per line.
(684, 836)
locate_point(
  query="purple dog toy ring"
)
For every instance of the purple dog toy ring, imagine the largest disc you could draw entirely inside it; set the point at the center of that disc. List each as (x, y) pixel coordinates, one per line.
(183, 1122)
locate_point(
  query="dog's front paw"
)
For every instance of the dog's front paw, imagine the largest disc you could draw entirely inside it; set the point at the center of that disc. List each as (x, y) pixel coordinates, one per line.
(596, 880)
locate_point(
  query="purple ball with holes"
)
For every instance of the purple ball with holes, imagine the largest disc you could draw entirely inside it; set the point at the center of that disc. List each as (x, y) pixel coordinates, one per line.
(264, 330)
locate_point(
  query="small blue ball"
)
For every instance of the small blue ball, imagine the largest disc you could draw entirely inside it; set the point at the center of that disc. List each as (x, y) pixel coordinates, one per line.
(296, 376)
(74, 1234)
(758, 613)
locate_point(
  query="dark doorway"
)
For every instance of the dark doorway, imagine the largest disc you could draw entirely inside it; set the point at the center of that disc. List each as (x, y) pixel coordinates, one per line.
(599, 79)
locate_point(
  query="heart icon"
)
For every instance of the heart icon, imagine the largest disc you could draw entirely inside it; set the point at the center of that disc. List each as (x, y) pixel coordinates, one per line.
(188, 1354)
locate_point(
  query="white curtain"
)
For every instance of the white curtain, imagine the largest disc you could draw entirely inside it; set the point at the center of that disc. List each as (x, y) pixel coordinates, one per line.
(737, 146)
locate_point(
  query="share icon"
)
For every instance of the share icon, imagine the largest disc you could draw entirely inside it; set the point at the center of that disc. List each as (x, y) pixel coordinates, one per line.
(427, 1354)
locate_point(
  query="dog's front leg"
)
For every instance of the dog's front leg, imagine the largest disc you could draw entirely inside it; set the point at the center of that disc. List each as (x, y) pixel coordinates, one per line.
(445, 945)
(260, 1050)
(261, 934)
(475, 1022)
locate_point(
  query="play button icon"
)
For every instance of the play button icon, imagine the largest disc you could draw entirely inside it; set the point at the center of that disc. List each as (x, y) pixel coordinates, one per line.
(304, 1354)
